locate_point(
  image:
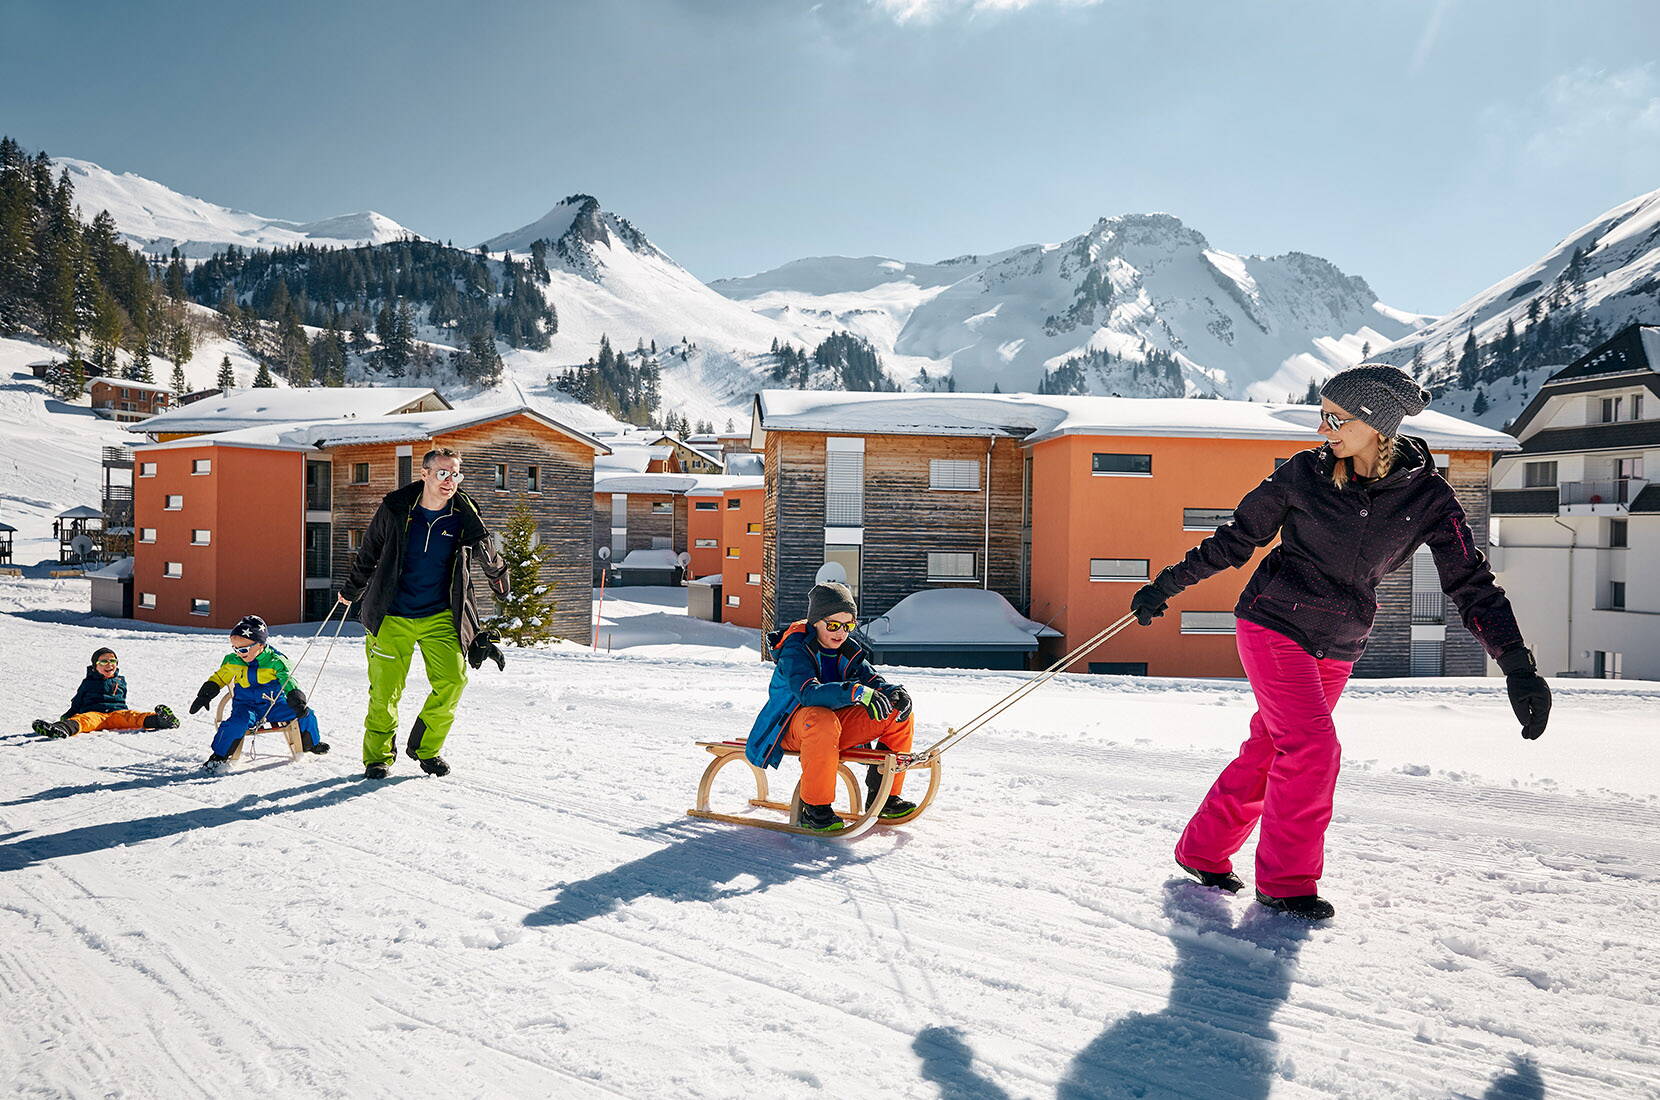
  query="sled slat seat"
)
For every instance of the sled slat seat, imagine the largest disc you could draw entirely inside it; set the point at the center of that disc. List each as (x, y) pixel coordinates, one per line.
(290, 732)
(859, 817)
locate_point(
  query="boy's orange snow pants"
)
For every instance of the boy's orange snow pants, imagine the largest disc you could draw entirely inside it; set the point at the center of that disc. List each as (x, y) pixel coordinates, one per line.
(819, 734)
(92, 721)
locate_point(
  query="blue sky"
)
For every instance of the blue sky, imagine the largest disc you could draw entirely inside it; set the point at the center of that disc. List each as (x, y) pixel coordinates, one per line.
(1432, 146)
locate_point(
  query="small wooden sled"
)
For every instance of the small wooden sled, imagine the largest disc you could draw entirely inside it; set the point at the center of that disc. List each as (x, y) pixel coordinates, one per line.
(290, 731)
(859, 817)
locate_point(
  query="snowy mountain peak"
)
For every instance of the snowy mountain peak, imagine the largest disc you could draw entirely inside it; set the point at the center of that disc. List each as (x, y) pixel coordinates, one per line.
(576, 229)
(156, 219)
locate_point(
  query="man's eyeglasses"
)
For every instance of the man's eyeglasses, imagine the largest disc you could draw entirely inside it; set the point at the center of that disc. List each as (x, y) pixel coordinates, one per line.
(108, 664)
(449, 475)
(1335, 422)
(836, 627)
(239, 649)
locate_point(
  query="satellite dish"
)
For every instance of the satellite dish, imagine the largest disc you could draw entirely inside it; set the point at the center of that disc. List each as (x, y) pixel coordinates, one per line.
(81, 545)
(830, 571)
(683, 559)
(604, 553)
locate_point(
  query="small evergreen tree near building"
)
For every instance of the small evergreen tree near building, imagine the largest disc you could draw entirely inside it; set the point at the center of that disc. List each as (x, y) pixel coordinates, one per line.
(227, 374)
(263, 380)
(526, 615)
(141, 370)
(180, 386)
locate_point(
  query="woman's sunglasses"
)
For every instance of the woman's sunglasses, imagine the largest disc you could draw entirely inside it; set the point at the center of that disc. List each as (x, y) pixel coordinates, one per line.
(838, 627)
(1335, 422)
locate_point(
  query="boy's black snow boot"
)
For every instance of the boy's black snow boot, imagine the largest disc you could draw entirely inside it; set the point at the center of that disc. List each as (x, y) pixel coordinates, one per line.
(822, 819)
(162, 719)
(54, 730)
(1303, 907)
(434, 765)
(321, 748)
(1222, 880)
(375, 771)
(215, 763)
(896, 806)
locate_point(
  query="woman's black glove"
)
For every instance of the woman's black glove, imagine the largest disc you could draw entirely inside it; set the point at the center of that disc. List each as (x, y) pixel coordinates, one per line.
(1148, 603)
(204, 696)
(297, 703)
(1529, 694)
(901, 700)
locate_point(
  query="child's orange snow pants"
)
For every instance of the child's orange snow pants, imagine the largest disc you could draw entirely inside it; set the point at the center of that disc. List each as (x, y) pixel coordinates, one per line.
(92, 721)
(819, 734)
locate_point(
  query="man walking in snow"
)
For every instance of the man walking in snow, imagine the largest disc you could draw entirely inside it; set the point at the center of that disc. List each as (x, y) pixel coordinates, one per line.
(412, 581)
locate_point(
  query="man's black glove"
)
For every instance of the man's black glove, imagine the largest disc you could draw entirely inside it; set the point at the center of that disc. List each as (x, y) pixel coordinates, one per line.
(1148, 603)
(901, 700)
(1529, 694)
(204, 696)
(483, 648)
(297, 703)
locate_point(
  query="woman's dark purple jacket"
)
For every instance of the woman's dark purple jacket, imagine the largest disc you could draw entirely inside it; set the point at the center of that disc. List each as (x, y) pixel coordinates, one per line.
(1318, 586)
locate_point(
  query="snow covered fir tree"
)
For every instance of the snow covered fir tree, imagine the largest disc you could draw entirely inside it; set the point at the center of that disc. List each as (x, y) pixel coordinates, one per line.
(524, 618)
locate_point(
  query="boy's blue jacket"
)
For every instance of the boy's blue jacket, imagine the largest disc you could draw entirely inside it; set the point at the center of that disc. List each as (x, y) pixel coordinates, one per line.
(251, 683)
(97, 695)
(803, 675)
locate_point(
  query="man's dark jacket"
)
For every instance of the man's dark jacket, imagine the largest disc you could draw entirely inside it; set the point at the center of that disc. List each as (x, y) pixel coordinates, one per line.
(1318, 587)
(373, 581)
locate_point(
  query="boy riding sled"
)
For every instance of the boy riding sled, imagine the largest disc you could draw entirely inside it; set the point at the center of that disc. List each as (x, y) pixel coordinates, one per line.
(825, 697)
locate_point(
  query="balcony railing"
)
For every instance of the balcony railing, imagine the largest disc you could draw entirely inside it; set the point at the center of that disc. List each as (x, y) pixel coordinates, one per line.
(1614, 491)
(1427, 607)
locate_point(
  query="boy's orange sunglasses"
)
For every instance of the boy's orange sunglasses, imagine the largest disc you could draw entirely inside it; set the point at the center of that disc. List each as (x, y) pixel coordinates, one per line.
(836, 626)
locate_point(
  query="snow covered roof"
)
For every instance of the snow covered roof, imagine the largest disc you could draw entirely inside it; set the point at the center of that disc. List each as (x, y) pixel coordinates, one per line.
(650, 559)
(631, 458)
(713, 485)
(121, 569)
(80, 511)
(250, 408)
(7, 527)
(350, 431)
(746, 464)
(701, 452)
(644, 483)
(109, 380)
(955, 618)
(1034, 418)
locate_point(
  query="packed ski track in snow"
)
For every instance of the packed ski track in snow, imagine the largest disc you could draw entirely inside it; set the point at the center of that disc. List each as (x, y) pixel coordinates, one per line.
(546, 921)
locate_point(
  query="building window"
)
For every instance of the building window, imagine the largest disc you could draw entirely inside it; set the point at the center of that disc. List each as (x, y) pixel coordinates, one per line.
(319, 486)
(146, 469)
(1278, 462)
(201, 466)
(951, 566)
(661, 542)
(1427, 657)
(406, 469)
(200, 607)
(753, 528)
(146, 534)
(1618, 535)
(146, 599)
(175, 503)
(850, 559)
(732, 552)
(733, 601)
(533, 479)
(661, 507)
(752, 578)
(174, 569)
(501, 475)
(1606, 665)
(707, 544)
(844, 482)
(200, 536)
(1207, 622)
(360, 473)
(1116, 465)
(954, 474)
(1118, 668)
(1205, 519)
(734, 502)
(354, 538)
(1539, 475)
(1611, 409)
(707, 505)
(1428, 605)
(1118, 569)
(1636, 406)
(1616, 595)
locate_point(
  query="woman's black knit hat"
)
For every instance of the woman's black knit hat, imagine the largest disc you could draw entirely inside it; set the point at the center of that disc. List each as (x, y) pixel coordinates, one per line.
(1377, 393)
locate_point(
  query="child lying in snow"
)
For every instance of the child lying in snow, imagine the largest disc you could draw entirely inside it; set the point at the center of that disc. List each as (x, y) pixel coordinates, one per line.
(100, 703)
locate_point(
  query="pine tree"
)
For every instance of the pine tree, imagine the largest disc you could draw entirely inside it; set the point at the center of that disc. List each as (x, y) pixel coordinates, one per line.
(141, 371)
(1480, 405)
(227, 374)
(526, 616)
(263, 380)
(180, 386)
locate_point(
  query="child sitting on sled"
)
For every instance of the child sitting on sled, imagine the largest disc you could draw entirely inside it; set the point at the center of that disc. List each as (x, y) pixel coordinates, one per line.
(825, 697)
(262, 690)
(100, 703)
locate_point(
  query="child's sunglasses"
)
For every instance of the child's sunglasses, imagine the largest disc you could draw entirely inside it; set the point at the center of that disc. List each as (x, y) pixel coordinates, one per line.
(108, 661)
(243, 648)
(836, 627)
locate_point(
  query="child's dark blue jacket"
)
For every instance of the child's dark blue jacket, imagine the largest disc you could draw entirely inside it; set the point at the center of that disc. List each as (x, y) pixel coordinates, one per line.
(804, 675)
(96, 695)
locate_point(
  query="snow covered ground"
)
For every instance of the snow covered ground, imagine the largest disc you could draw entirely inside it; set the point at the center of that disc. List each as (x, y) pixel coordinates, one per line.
(545, 921)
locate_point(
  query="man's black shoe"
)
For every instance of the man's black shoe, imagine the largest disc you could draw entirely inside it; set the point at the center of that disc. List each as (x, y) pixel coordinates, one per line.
(434, 765)
(375, 771)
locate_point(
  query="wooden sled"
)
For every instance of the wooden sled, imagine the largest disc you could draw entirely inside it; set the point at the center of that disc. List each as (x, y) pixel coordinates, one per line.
(290, 731)
(859, 817)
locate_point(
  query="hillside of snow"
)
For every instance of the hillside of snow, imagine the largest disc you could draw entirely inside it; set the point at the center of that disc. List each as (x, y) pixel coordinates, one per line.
(155, 218)
(1616, 283)
(547, 921)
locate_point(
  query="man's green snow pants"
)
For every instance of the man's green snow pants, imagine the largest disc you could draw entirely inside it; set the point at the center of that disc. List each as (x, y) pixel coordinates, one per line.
(390, 652)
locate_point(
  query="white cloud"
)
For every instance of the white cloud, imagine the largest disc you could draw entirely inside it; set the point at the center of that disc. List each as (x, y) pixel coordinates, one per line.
(1587, 111)
(1427, 40)
(929, 11)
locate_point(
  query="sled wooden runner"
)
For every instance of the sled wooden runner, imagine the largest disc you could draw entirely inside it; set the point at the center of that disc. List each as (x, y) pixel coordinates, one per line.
(860, 818)
(290, 733)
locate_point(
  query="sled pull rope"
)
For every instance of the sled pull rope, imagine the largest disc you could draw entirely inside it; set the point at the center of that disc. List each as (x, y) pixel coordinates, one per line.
(322, 626)
(955, 735)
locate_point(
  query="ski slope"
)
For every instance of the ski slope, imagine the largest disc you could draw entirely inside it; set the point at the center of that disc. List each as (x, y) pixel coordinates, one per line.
(546, 922)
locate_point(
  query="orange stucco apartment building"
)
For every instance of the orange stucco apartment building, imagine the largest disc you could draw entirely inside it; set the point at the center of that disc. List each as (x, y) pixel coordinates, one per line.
(266, 519)
(1065, 506)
